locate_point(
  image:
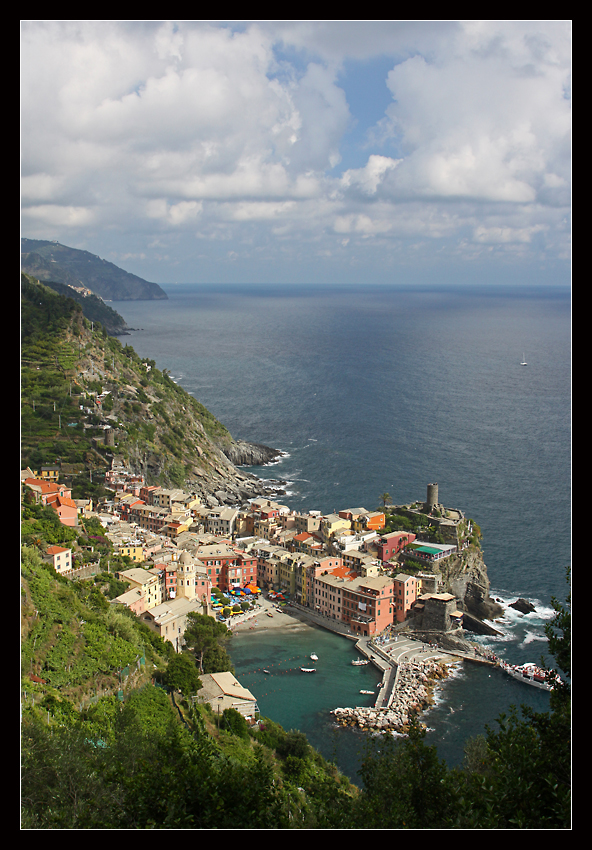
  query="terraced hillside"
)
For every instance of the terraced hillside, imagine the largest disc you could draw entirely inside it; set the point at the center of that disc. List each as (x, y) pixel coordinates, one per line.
(79, 384)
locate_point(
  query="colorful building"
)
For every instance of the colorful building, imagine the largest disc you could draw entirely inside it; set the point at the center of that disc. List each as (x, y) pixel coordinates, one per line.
(405, 593)
(61, 558)
(391, 544)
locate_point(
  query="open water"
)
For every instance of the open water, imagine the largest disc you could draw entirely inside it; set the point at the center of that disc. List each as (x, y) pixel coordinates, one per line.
(373, 389)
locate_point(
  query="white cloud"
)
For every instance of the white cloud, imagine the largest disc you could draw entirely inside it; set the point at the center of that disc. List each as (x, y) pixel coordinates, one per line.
(369, 178)
(151, 130)
(57, 216)
(486, 118)
(506, 234)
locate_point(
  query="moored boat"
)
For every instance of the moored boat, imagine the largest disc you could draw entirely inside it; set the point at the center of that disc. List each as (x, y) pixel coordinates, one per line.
(308, 669)
(529, 673)
(361, 662)
(314, 656)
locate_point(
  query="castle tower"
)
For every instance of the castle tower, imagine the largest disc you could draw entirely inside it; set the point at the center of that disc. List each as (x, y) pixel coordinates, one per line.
(432, 498)
(186, 576)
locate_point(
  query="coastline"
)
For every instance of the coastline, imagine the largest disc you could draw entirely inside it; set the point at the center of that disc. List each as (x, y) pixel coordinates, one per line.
(408, 680)
(258, 621)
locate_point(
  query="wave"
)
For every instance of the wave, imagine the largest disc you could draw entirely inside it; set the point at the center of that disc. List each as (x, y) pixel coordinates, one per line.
(506, 600)
(530, 637)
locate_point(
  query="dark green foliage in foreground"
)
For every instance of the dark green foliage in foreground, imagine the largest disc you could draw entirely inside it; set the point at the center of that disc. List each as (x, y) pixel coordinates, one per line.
(137, 766)
(150, 771)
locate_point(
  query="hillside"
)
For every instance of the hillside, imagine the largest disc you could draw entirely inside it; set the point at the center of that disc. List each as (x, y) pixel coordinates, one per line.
(50, 261)
(102, 747)
(78, 383)
(110, 742)
(93, 308)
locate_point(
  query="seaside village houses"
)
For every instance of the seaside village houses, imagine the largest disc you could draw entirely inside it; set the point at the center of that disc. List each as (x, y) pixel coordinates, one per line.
(341, 567)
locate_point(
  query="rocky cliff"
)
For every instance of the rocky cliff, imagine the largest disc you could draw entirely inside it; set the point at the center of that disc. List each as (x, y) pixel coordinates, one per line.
(465, 575)
(242, 453)
(87, 400)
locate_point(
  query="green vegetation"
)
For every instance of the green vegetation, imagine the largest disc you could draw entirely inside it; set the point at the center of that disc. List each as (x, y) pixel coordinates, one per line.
(206, 638)
(76, 380)
(133, 758)
(74, 640)
(397, 520)
(50, 261)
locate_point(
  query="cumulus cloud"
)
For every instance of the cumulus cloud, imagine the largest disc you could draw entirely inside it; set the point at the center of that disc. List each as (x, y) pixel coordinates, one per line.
(487, 118)
(150, 130)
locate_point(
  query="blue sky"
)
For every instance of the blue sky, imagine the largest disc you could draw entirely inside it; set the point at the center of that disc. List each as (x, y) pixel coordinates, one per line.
(417, 152)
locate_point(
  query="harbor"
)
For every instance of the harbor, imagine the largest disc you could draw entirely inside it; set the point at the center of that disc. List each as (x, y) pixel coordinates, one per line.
(409, 668)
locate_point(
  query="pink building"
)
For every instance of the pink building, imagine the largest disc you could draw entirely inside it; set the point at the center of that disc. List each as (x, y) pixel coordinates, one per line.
(391, 544)
(405, 594)
(67, 511)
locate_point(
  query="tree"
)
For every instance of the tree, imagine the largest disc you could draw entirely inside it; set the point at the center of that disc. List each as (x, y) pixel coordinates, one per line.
(234, 722)
(207, 638)
(517, 776)
(181, 674)
(385, 499)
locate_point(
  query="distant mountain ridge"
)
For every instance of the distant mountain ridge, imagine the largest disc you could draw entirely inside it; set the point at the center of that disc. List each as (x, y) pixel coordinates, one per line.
(51, 261)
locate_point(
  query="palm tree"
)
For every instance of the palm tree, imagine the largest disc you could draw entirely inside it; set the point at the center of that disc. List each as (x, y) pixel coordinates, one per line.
(385, 498)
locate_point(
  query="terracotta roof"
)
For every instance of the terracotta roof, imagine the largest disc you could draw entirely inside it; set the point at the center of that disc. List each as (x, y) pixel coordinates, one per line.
(68, 503)
(44, 486)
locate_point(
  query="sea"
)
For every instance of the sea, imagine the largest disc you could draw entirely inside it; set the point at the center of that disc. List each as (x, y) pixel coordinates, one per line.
(373, 389)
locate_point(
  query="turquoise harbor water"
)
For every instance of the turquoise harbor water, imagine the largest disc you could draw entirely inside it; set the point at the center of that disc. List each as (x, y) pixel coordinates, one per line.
(368, 389)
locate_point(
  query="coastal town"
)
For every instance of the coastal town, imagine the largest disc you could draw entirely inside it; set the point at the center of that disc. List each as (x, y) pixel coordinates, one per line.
(342, 571)
(185, 555)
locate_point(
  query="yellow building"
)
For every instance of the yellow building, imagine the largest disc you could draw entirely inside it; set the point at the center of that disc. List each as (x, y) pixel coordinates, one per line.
(148, 583)
(136, 553)
(331, 524)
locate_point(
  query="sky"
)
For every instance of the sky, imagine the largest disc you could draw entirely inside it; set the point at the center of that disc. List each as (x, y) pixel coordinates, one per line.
(411, 152)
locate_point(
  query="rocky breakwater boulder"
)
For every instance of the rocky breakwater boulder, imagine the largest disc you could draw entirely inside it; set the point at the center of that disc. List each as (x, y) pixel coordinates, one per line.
(413, 695)
(522, 606)
(243, 453)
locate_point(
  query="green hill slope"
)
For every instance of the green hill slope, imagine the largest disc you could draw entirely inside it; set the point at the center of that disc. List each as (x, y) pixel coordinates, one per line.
(78, 383)
(104, 748)
(50, 261)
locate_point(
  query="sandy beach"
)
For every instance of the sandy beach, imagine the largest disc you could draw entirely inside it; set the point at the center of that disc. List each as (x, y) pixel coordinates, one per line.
(260, 621)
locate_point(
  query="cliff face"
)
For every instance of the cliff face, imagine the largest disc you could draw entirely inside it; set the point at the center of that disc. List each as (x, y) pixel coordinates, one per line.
(242, 453)
(465, 575)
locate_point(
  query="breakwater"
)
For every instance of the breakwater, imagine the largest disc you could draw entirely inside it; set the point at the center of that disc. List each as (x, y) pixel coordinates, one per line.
(412, 693)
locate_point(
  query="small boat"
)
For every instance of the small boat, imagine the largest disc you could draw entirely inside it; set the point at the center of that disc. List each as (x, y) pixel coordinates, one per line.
(361, 662)
(308, 669)
(366, 692)
(523, 363)
(267, 671)
(314, 657)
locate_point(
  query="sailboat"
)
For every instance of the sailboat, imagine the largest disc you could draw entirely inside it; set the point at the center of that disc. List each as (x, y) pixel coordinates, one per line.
(524, 363)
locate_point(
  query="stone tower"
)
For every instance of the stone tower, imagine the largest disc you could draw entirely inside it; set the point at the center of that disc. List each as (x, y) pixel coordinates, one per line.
(186, 576)
(432, 498)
